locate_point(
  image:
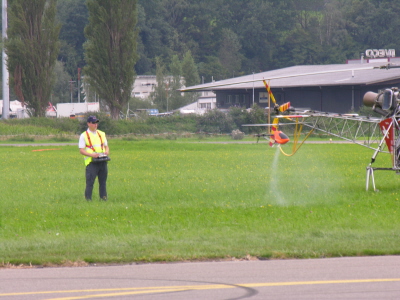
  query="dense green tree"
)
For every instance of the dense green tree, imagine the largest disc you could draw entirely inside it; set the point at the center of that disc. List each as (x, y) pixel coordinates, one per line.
(175, 97)
(73, 16)
(137, 103)
(229, 53)
(360, 17)
(189, 70)
(32, 49)
(110, 51)
(211, 69)
(159, 95)
(166, 95)
(372, 23)
(155, 35)
(61, 89)
(144, 65)
(199, 29)
(190, 75)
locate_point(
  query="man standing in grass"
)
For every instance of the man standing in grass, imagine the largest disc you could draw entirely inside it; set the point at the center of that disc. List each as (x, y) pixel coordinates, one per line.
(93, 144)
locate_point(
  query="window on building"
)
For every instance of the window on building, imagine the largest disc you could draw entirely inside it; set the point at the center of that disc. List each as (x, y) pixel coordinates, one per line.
(237, 97)
(205, 105)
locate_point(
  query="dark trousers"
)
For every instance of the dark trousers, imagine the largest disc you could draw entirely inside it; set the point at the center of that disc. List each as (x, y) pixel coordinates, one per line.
(94, 170)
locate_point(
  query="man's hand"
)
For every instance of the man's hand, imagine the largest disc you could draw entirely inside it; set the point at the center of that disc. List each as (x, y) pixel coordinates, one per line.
(106, 150)
(94, 154)
(84, 152)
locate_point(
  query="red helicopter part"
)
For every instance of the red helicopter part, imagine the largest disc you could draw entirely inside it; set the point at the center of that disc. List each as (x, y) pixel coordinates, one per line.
(280, 137)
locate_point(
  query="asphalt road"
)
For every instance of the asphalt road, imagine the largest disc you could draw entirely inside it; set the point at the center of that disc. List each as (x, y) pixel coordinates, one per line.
(333, 278)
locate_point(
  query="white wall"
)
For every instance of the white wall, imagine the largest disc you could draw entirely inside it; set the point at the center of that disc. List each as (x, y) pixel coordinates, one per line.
(67, 109)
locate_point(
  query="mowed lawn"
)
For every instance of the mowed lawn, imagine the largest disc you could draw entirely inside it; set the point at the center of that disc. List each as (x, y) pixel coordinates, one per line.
(183, 200)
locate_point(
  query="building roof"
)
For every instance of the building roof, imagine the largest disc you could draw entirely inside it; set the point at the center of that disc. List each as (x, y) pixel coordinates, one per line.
(309, 75)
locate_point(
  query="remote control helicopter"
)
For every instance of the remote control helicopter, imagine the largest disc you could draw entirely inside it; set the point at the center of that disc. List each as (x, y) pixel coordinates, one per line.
(381, 134)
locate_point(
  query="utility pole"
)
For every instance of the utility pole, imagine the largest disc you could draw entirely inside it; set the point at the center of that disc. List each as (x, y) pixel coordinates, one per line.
(166, 92)
(71, 88)
(6, 91)
(253, 89)
(79, 85)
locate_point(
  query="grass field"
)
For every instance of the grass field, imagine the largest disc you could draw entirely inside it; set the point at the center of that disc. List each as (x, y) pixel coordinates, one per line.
(177, 200)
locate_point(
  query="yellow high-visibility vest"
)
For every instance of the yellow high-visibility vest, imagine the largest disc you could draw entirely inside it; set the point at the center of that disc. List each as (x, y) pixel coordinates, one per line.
(94, 143)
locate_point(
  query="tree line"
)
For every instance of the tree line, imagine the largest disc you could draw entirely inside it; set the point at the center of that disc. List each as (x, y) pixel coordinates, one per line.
(228, 38)
(33, 44)
(219, 39)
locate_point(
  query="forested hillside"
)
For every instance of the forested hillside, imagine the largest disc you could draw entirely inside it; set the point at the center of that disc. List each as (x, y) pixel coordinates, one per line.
(232, 37)
(229, 38)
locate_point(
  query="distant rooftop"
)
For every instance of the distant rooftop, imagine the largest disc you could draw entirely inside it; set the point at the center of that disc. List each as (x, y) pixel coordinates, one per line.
(309, 75)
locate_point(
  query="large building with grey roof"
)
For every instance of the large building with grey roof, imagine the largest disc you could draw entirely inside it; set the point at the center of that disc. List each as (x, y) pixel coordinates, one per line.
(328, 88)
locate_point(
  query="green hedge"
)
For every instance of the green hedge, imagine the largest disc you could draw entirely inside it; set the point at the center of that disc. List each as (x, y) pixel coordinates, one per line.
(214, 121)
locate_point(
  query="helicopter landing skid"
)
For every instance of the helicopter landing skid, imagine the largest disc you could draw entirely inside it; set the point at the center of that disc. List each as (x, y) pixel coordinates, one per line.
(370, 175)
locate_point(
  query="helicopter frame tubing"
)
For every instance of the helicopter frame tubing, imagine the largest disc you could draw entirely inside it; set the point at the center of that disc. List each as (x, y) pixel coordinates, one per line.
(364, 131)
